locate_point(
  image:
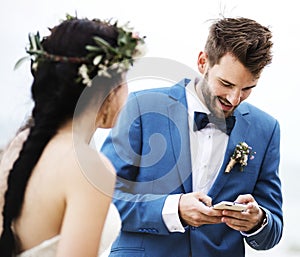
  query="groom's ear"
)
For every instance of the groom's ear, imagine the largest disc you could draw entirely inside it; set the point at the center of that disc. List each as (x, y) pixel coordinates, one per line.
(202, 62)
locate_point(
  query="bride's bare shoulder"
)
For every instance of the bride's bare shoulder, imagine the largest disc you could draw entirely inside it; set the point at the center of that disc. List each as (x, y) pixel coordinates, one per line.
(86, 164)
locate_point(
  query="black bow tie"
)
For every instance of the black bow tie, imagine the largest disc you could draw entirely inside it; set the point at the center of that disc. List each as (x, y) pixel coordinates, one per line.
(202, 119)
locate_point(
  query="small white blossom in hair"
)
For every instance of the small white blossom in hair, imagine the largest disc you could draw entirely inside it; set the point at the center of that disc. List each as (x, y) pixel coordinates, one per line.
(83, 72)
(103, 71)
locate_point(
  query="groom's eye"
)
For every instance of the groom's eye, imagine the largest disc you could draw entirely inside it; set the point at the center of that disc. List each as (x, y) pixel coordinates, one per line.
(248, 88)
(226, 83)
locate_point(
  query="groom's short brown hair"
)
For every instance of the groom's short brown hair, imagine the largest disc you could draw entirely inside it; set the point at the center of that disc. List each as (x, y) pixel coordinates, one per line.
(245, 39)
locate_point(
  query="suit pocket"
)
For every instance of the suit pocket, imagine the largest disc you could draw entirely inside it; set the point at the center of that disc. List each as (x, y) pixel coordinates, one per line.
(249, 169)
(127, 252)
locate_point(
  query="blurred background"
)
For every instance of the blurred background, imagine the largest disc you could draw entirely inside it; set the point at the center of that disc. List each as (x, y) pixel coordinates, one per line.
(176, 30)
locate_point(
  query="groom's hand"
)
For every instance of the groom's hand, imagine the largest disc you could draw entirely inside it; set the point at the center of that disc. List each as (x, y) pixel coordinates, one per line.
(194, 210)
(247, 221)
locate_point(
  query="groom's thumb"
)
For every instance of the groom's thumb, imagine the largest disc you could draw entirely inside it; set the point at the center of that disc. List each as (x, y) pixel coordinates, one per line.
(203, 198)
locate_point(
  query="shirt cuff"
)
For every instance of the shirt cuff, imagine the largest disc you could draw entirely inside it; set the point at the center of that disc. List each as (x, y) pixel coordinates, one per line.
(170, 214)
(264, 223)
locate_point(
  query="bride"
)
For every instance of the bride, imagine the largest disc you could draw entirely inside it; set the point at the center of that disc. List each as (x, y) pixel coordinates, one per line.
(56, 189)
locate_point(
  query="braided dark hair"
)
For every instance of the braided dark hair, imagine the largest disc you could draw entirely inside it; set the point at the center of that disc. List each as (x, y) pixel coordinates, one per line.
(55, 93)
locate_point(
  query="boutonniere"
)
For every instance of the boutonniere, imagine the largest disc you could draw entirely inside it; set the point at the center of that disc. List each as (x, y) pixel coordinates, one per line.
(242, 153)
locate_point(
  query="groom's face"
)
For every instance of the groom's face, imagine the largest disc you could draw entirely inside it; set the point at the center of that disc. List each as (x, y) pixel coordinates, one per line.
(226, 85)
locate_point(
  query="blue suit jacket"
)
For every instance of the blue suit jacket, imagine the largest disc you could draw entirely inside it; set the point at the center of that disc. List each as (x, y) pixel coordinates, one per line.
(150, 150)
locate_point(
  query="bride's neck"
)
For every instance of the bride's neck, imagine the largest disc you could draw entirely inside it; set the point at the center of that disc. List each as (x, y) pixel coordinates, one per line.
(79, 129)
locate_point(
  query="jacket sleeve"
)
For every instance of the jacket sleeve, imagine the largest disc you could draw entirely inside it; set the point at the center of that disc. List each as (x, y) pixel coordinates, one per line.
(268, 194)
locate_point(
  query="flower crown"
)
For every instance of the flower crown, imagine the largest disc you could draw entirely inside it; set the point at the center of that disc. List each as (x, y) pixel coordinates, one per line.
(129, 47)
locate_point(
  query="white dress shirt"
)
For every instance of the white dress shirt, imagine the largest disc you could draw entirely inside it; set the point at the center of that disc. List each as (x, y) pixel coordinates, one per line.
(208, 148)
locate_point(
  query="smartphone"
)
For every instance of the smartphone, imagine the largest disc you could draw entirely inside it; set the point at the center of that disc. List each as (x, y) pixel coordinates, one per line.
(232, 206)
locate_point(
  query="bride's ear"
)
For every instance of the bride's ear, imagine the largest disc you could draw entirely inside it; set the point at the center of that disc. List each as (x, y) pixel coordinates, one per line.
(202, 62)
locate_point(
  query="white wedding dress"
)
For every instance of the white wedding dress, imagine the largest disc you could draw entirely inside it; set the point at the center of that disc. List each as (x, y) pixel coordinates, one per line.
(110, 232)
(48, 247)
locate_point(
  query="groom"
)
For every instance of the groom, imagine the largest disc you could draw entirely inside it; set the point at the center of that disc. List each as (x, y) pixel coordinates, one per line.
(171, 147)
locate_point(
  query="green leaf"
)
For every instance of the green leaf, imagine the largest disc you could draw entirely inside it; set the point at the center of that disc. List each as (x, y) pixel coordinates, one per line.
(38, 41)
(32, 41)
(36, 52)
(101, 42)
(123, 39)
(128, 52)
(93, 48)
(20, 61)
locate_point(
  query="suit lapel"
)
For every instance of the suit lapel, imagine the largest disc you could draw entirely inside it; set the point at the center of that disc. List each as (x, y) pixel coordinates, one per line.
(178, 123)
(238, 135)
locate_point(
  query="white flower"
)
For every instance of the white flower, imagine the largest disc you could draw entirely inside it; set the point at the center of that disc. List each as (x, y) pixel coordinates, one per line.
(83, 72)
(114, 66)
(97, 60)
(35, 66)
(103, 73)
(140, 51)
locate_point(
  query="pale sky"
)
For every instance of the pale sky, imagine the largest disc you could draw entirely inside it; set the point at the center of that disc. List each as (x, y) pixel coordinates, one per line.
(175, 30)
